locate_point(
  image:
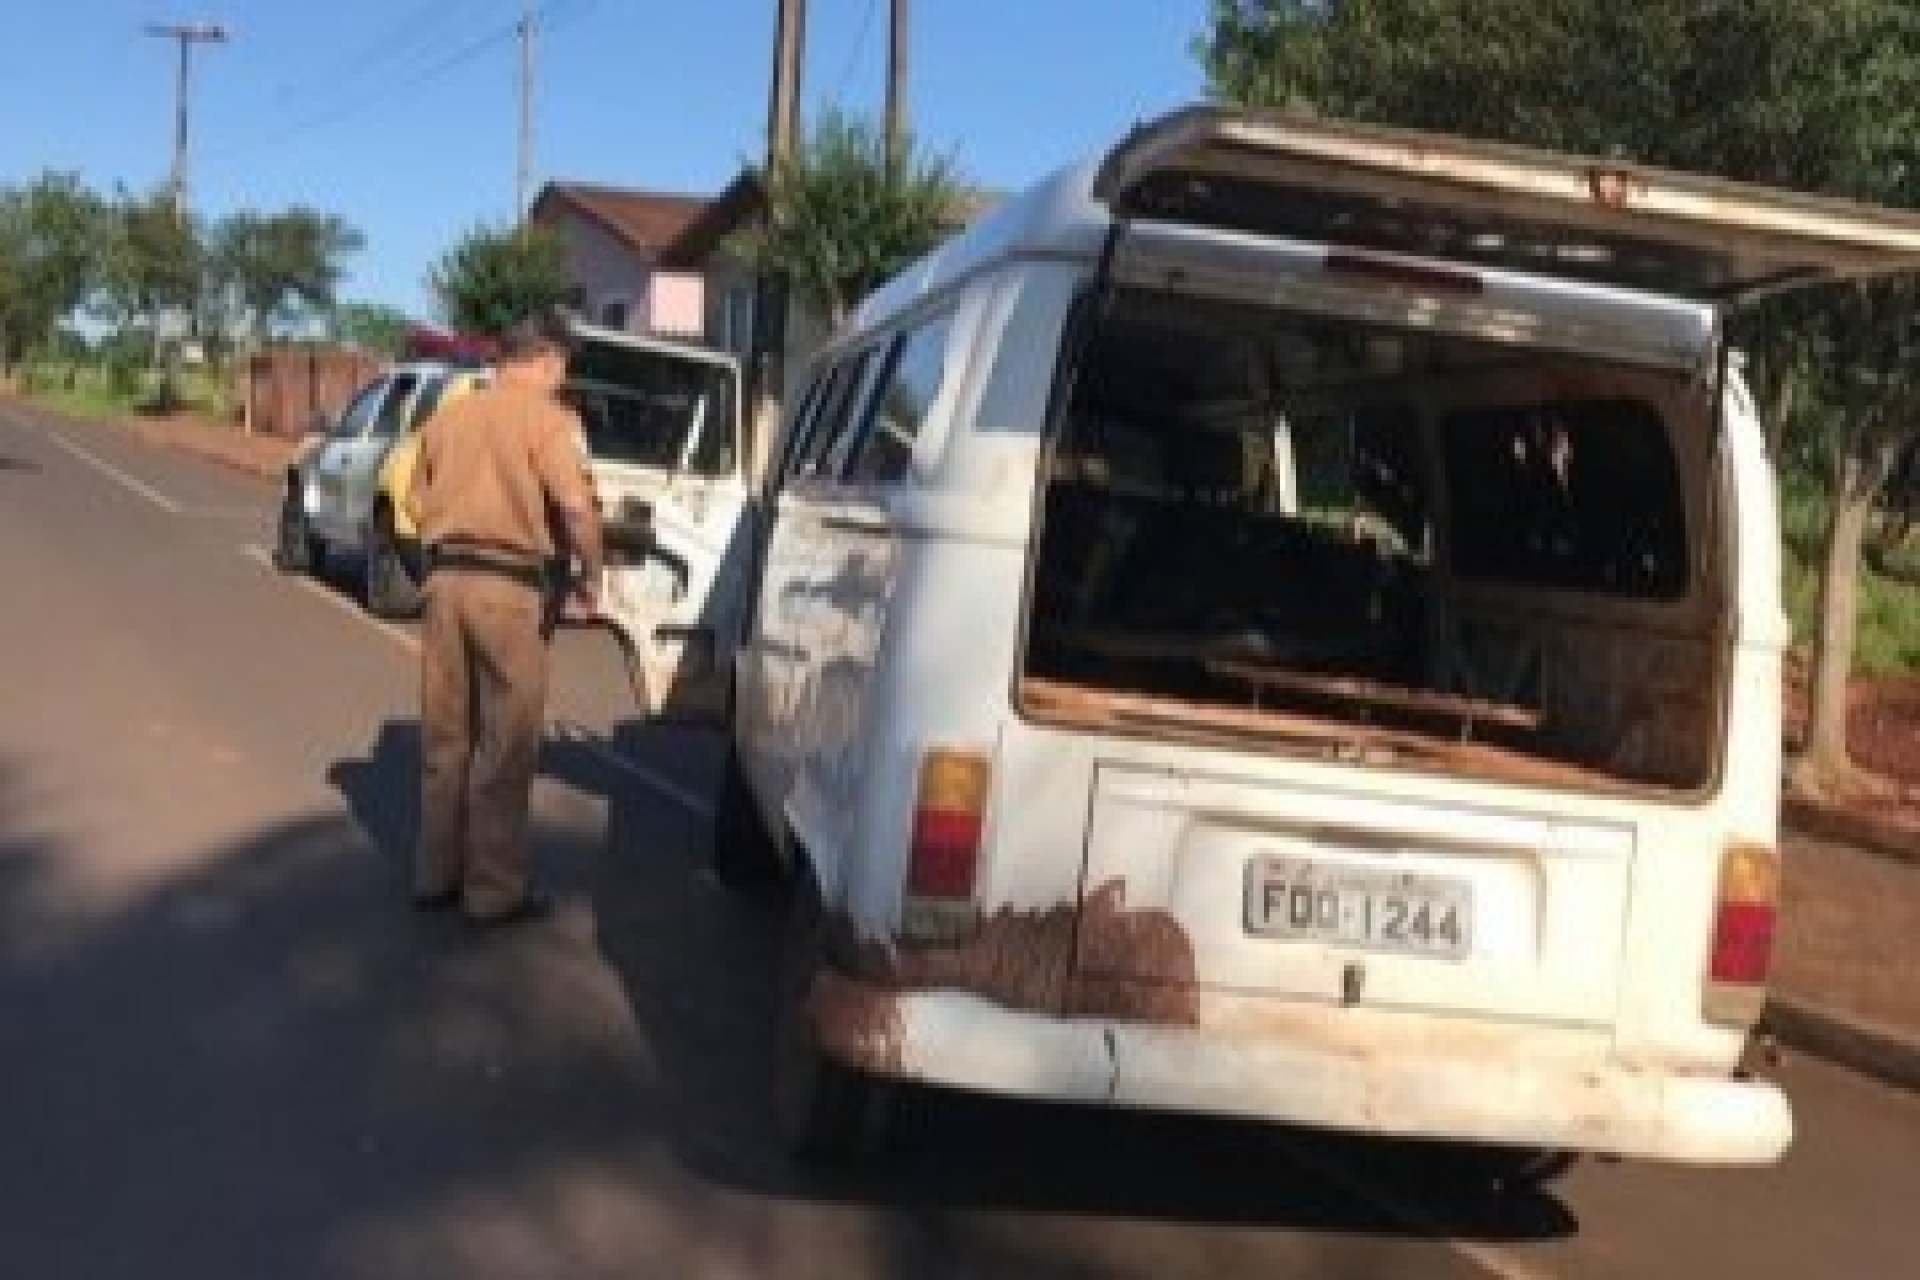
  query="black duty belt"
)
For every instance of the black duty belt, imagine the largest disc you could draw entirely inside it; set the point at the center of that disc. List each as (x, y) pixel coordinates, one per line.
(529, 573)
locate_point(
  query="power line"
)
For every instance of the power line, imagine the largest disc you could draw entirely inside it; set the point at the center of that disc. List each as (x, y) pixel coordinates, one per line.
(423, 76)
(853, 55)
(414, 32)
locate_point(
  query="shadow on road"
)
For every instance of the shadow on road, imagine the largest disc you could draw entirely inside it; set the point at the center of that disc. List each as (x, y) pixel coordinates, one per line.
(698, 966)
(266, 1065)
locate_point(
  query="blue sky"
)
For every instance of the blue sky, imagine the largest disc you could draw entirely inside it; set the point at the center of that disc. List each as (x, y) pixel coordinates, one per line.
(401, 116)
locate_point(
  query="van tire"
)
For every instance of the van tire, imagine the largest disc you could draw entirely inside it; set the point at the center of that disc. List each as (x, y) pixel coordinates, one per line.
(392, 589)
(744, 855)
(826, 1111)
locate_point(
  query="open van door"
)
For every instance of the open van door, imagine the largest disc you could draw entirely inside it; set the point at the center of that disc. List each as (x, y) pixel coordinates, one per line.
(1431, 197)
(662, 422)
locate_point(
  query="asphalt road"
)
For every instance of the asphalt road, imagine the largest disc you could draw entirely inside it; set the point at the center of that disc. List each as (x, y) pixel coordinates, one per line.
(229, 1052)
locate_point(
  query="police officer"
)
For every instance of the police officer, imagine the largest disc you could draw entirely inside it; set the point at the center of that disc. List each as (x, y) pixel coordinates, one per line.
(501, 495)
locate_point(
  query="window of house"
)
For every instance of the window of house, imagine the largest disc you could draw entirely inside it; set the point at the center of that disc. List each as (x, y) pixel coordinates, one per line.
(736, 319)
(914, 378)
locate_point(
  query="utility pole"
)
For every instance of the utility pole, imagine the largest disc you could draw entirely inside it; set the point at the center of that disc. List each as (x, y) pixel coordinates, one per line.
(896, 119)
(521, 189)
(186, 35)
(783, 106)
(770, 296)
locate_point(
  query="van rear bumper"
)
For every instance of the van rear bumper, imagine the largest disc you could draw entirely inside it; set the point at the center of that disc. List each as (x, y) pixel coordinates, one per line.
(964, 1041)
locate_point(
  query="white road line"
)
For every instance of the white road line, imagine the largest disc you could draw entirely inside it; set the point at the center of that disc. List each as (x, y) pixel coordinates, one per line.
(400, 636)
(130, 483)
(604, 751)
(1495, 1262)
(226, 513)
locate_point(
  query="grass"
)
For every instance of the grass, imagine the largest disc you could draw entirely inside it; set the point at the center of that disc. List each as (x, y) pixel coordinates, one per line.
(90, 390)
(1889, 635)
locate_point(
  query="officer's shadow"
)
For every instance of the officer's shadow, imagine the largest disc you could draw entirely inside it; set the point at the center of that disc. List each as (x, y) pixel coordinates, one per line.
(698, 969)
(382, 791)
(695, 964)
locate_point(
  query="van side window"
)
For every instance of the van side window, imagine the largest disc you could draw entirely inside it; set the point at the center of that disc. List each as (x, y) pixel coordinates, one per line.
(846, 416)
(838, 394)
(914, 380)
(793, 442)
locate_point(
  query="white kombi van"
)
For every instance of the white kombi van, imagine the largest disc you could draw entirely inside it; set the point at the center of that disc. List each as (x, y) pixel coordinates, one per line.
(1284, 621)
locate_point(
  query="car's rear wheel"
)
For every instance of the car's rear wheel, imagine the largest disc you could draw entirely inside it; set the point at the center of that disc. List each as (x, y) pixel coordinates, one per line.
(296, 549)
(393, 590)
(826, 1110)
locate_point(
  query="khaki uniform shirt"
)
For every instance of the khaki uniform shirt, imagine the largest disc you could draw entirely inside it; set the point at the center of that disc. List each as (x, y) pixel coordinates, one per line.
(493, 466)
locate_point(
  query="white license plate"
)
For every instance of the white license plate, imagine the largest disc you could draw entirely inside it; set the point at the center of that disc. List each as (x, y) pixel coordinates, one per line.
(1359, 907)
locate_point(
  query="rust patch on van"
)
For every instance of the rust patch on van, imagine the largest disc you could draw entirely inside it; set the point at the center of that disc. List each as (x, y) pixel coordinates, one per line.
(1614, 188)
(1097, 961)
(1136, 966)
(857, 1023)
(1021, 959)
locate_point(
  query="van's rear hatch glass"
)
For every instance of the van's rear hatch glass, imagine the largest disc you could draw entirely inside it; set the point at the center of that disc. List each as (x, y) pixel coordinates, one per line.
(1381, 546)
(1515, 208)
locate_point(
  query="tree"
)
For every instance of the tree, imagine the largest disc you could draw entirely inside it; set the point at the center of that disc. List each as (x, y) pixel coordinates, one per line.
(152, 275)
(13, 260)
(50, 237)
(371, 326)
(841, 218)
(1869, 337)
(494, 278)
(1819, 97)
(275, 261)
(153, 264)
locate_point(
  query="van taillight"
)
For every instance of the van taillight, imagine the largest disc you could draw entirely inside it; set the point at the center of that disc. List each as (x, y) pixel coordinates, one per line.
(1744, 913)
(949, 814)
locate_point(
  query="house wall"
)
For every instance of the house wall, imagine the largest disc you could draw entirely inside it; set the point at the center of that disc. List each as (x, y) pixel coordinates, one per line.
(808, 330)
(605, 269)
(728, 303)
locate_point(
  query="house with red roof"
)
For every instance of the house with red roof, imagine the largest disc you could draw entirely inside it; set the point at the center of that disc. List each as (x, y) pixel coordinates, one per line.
(655, 261)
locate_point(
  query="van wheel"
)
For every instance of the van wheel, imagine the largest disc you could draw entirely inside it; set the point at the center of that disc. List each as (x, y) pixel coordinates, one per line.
(392, 589)
(295, 548)
(826, 1111)
(745, 857)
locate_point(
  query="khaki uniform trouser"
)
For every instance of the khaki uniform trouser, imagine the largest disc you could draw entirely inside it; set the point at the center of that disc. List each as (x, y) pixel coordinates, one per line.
(483, 693)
